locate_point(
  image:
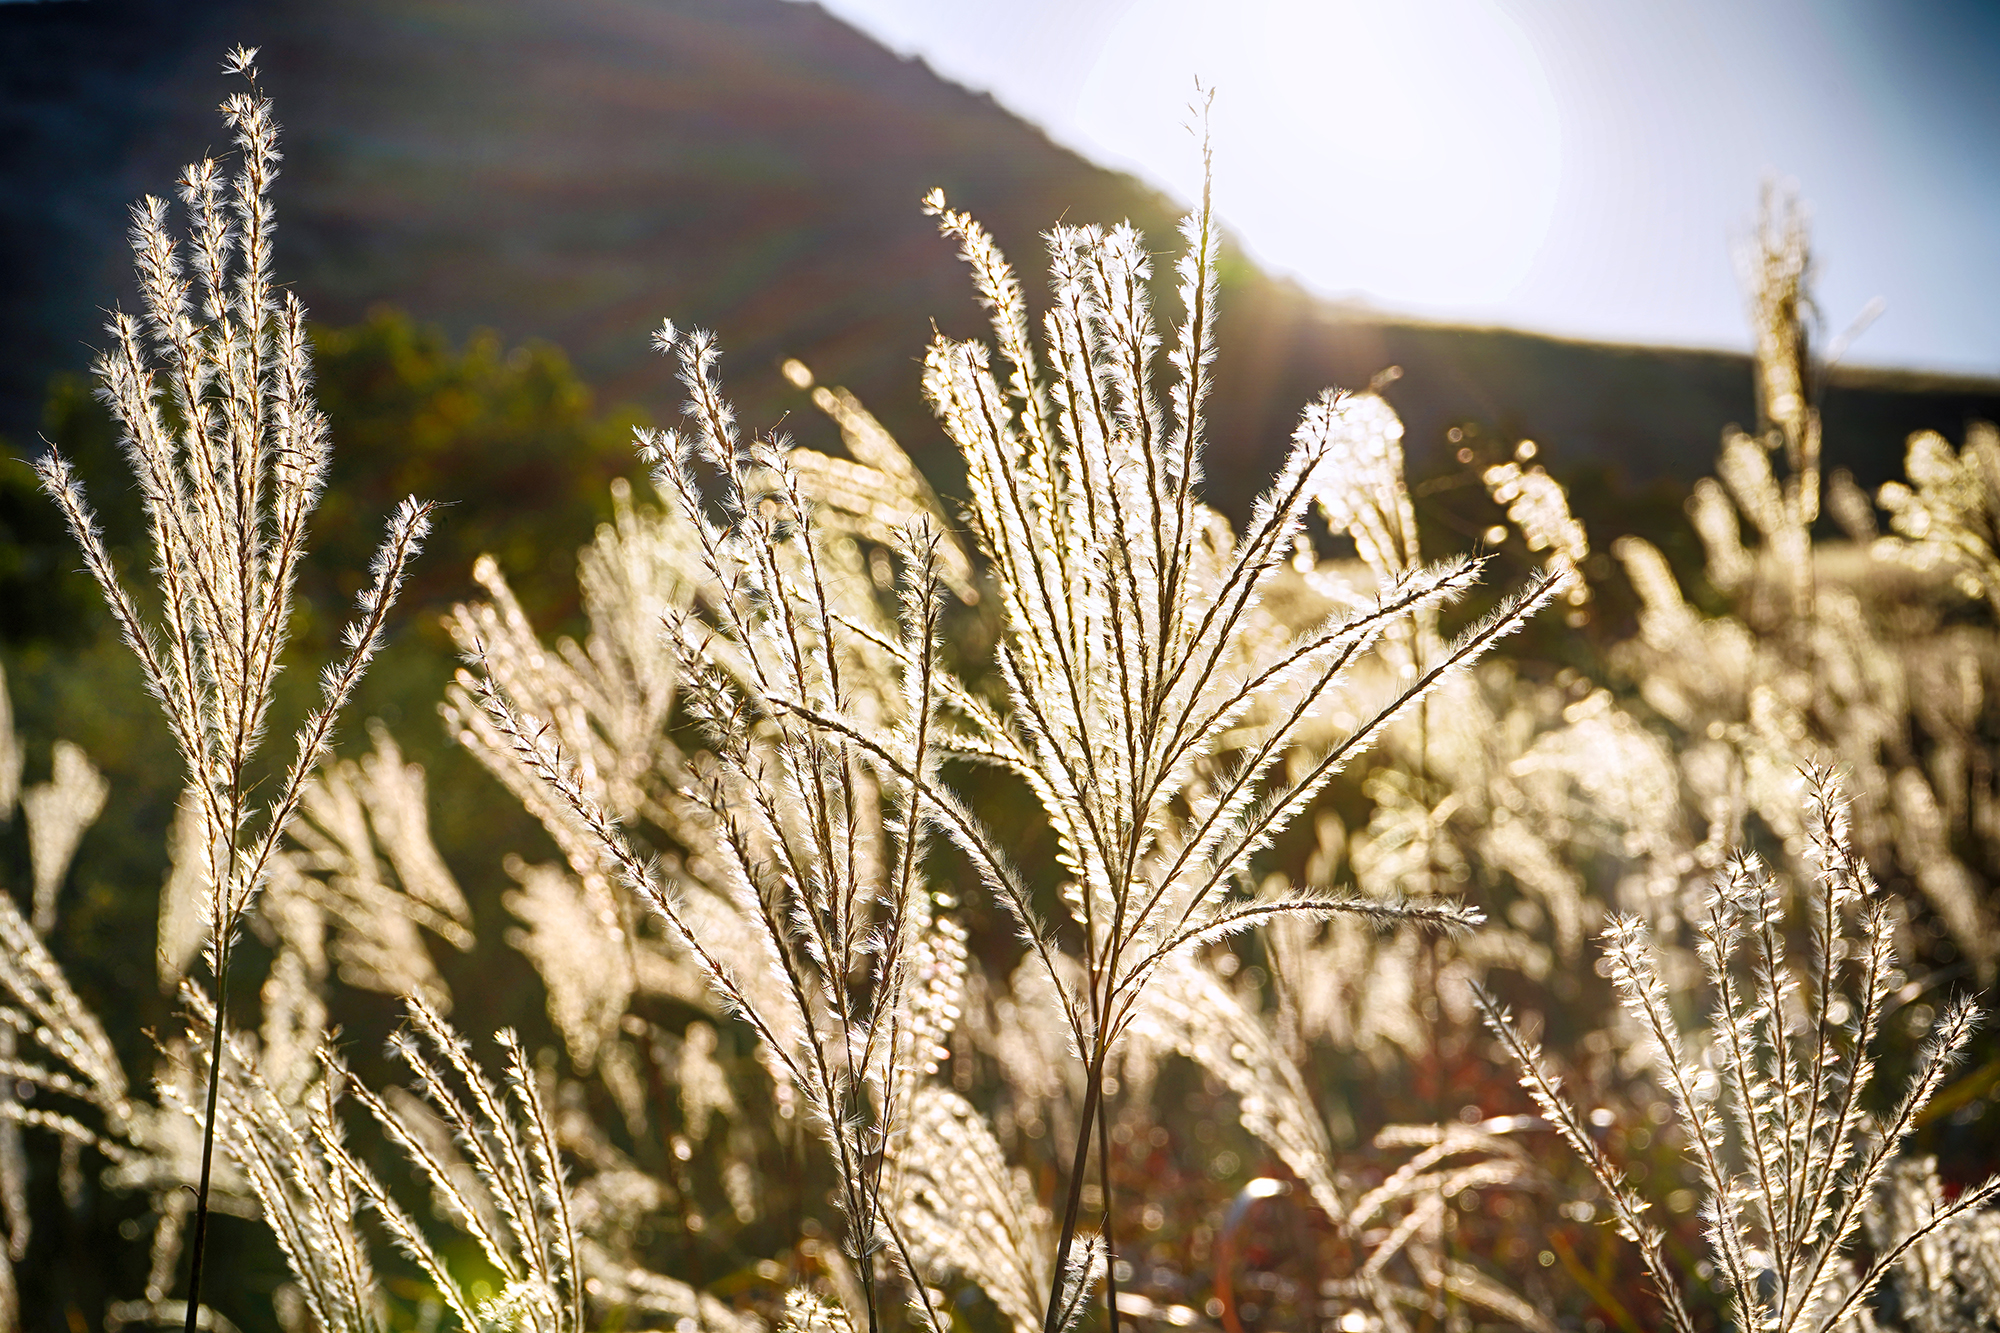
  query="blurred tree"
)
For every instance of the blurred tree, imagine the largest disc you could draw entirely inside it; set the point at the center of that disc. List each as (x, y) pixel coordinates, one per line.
(35, 597)
(509, 438)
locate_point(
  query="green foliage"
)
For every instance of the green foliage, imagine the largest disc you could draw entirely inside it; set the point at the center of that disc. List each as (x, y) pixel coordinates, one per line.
(508, 438)
(43, 597)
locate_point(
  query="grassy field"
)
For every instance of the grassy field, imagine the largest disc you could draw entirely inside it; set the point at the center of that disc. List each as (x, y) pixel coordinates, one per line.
(1411, 877)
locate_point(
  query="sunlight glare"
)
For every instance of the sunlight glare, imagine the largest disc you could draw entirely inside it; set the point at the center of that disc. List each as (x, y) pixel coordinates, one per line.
(1408, 153)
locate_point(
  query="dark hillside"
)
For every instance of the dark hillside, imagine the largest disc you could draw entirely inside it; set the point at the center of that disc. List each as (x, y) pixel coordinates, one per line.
(579, 169)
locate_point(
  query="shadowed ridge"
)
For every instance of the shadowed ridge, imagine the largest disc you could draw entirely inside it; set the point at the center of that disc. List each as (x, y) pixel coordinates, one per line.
(569, 170)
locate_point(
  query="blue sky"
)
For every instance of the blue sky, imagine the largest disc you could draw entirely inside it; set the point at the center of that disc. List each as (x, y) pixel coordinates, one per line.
(1583, 167)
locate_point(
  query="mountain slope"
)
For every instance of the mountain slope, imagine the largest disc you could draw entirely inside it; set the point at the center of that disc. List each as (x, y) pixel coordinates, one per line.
(580, 169)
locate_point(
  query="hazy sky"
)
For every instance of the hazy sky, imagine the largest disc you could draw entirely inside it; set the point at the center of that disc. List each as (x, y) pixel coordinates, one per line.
(1577, 166)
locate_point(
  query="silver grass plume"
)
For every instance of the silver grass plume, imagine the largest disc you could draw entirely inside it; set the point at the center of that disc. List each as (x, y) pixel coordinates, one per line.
(363, 856)
(1789, 1162)
(11, 754)
(1537, 505)
(1407, 1211)
(515, 1203)
(805, 819)
(61, 1073)
(1777, 269)
(1809, 664)
(1947, 515)
(57, 813)
(290, 1149)
(607, 704)
(489, 1152)
(967, 1211)
(1950, 1279)
(228, 480)
(878, 490)
(808, 1313)
(1148, 719)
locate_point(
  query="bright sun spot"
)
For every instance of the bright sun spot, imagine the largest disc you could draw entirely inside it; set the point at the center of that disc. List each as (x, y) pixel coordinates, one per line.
(1407, 152)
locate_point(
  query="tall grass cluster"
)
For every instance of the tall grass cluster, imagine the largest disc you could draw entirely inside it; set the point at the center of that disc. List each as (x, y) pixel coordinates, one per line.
(919, 875)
